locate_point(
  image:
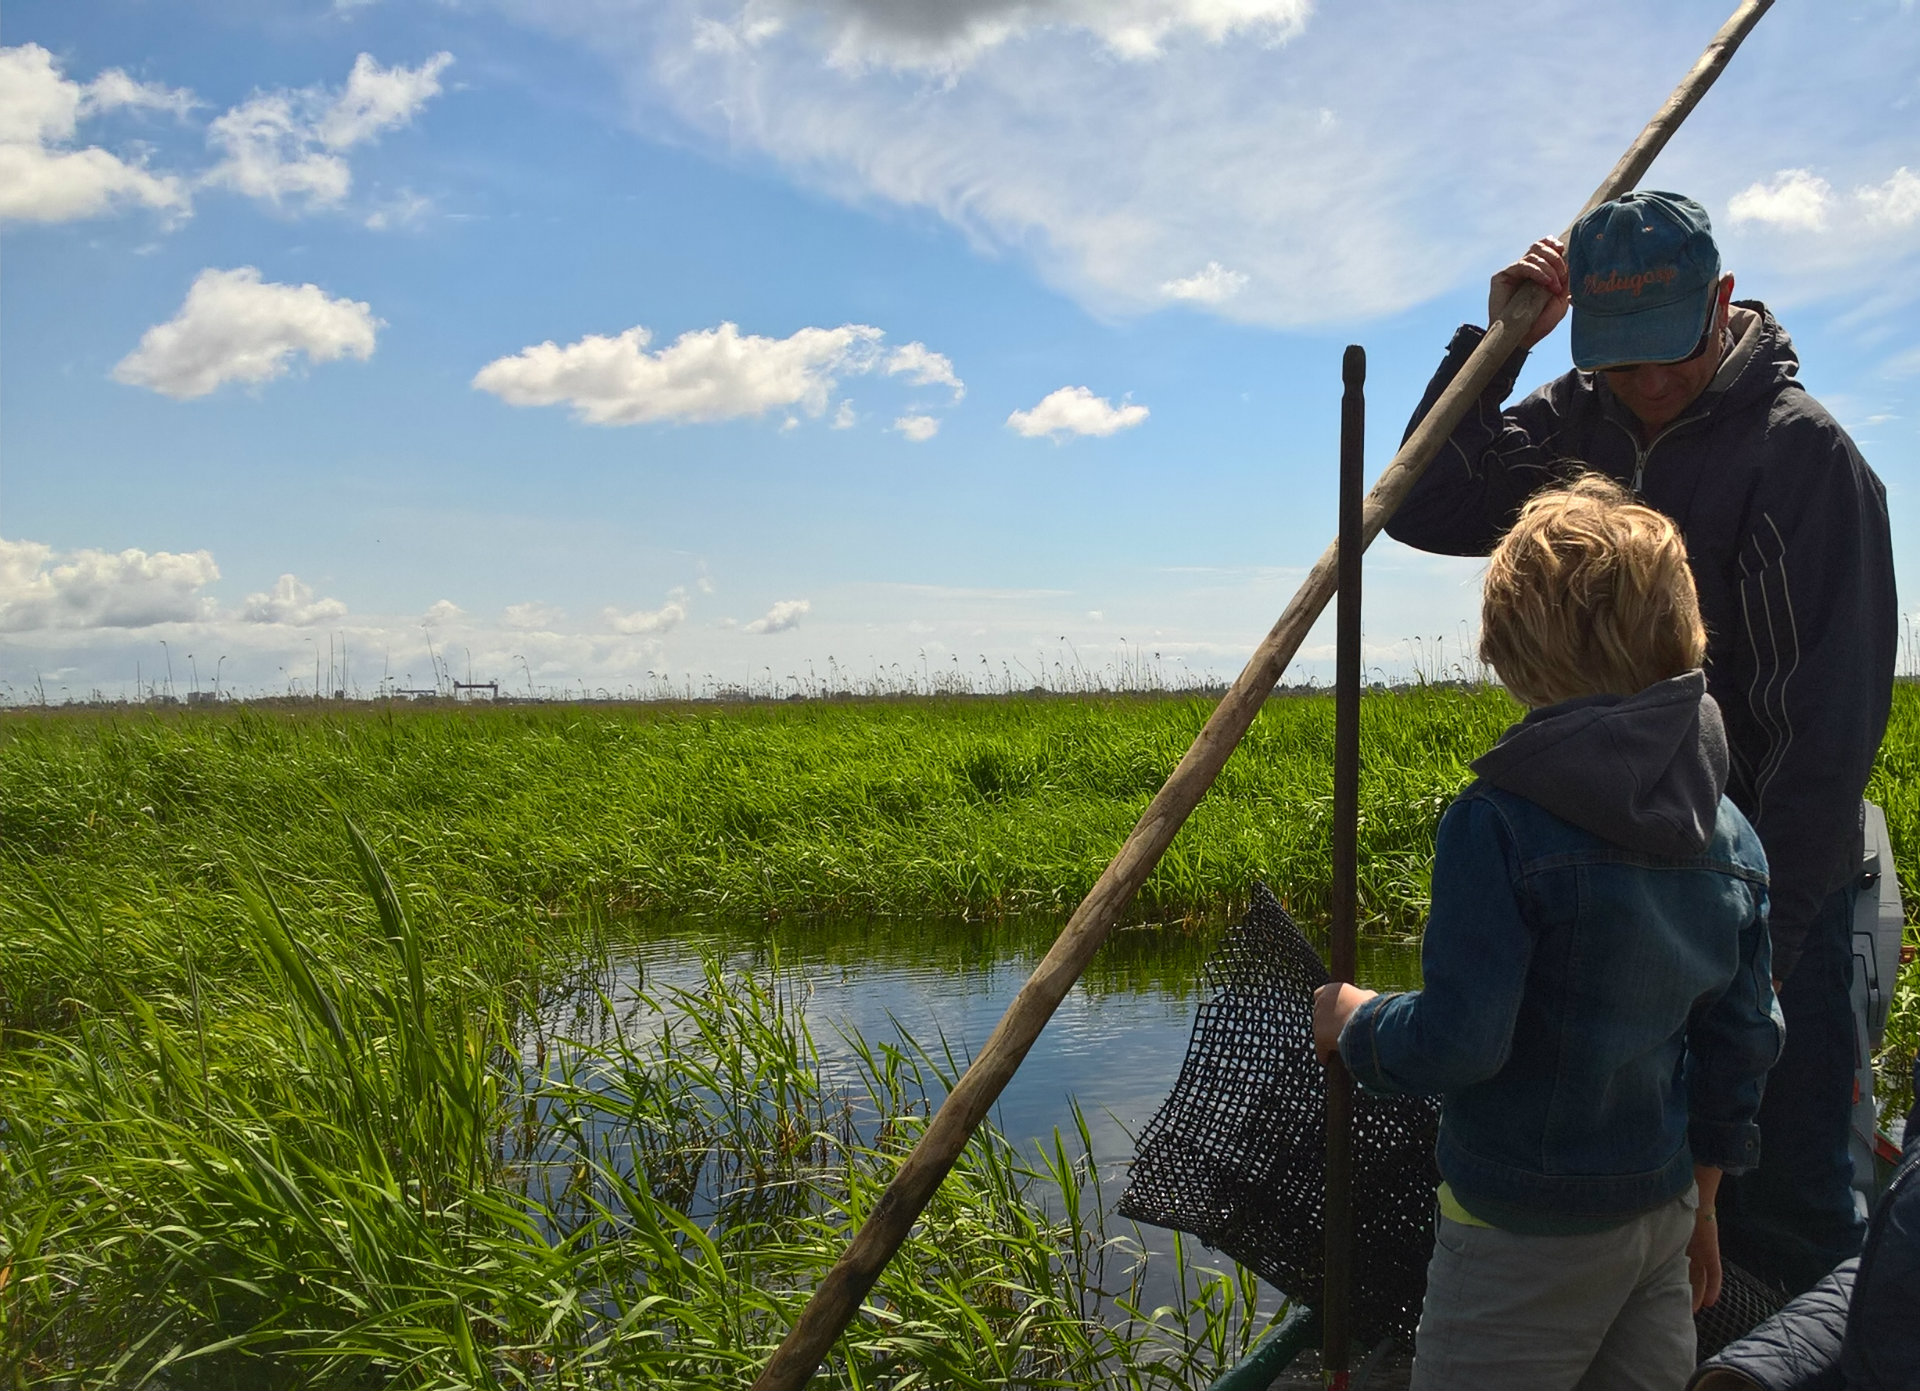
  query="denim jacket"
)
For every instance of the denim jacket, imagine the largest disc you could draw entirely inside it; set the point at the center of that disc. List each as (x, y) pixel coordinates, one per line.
(1597, 1011)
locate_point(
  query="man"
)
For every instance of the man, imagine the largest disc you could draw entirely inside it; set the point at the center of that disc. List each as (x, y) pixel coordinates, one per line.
(1692, 401)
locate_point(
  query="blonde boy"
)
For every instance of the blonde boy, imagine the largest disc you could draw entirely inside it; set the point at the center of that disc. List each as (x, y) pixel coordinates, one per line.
(1596, 1010)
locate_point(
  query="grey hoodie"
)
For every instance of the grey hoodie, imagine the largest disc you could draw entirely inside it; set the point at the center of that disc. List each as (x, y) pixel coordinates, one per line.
(1644, 771)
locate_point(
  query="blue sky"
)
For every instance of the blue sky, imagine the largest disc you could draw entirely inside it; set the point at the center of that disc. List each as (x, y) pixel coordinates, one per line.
(1037, 313)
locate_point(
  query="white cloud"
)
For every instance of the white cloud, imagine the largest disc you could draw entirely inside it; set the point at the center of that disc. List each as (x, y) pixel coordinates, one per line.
(235, 327)
(1107, 175)
(918, 428)
(113, 89)
(532, 616)
(1211, 284)
(660, 620)
(100, 589)
(405, 209)
(948, 34)
(924, 367)
(288, 145)
(1075, 410)
(1329, 169)
(290, 602)
(378, 99)
(844, 416)
(782, 616)
(1895, 203)
(702, 376)
(443, 611)
(1796, 199)
(40, 111)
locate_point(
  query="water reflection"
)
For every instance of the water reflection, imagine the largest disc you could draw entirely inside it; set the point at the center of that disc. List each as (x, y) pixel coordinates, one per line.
(1115, 1045)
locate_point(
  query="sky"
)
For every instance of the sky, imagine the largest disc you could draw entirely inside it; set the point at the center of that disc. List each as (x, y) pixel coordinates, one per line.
(634, 345)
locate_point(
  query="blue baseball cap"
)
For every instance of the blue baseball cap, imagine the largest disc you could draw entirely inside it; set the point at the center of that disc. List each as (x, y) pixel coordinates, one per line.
(1643, 270)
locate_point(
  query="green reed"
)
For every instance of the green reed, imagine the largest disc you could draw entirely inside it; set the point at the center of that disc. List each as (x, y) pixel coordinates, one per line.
(361, 1172)
(272, 1112)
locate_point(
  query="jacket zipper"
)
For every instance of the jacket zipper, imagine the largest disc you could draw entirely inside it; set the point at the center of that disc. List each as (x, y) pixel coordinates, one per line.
(1640, 454)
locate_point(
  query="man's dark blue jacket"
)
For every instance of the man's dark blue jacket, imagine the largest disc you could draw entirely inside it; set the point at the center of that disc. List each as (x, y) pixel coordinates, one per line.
(1786, 528)
(1858, 1329)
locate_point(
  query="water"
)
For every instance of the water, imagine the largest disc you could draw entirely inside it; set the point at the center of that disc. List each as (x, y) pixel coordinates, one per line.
(1114, 1046)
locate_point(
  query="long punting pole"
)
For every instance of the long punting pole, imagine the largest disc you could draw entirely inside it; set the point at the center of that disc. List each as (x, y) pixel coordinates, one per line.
(834, 1304)
(1336, 1343)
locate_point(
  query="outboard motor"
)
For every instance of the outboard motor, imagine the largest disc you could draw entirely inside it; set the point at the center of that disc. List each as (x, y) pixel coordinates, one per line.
(1877, 919)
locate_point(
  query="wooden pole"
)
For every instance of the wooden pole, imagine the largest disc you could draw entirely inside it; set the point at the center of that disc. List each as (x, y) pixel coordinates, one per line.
(838, 1298)
(1336, 1345)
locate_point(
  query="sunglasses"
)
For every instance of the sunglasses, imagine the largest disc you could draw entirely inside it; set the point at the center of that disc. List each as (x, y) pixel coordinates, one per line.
(1699, 350)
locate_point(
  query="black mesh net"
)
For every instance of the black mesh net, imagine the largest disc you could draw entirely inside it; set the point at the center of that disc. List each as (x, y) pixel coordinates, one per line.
(1746, 1301)
(1237, 1154)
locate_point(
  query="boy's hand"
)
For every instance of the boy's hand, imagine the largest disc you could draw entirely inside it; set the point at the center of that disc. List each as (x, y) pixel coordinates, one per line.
(1332, 1004)
(1703, 1261)
(1703, 1250)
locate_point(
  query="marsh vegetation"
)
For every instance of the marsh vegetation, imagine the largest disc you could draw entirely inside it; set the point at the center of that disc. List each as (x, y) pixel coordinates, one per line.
(310, 1075)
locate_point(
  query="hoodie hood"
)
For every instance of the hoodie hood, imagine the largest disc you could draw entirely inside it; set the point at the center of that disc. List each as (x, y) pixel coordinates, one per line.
(1644, 771)
(1761, 361)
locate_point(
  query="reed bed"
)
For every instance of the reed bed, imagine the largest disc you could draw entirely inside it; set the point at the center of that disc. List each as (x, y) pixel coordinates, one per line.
(359, 1171)
(277, 1107)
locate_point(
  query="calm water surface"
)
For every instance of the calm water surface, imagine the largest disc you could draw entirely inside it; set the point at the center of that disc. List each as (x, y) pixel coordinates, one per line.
(1115, 1045)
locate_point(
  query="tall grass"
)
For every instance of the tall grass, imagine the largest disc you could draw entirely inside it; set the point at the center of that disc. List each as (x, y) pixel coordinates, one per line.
(273, 1112)
(359, 1173)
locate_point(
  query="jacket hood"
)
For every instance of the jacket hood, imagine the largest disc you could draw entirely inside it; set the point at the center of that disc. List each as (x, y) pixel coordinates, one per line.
(1761, 361)
(1644, 771)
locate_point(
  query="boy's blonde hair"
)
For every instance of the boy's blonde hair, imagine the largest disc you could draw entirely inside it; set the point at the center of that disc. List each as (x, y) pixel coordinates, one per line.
(1589, 594)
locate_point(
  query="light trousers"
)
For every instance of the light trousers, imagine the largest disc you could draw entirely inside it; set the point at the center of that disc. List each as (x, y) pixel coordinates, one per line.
(1609, 1311)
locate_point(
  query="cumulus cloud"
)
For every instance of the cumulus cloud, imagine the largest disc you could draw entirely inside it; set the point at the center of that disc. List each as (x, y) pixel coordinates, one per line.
(43, 179)
(289, 145)
(1075, 410)
(702, 376)
(921, 366)
(844, 416)
(235, 327)
(952, 33)
(290, 602)
(659, 620)
(100, 589)
(443, 611)
(918, 428)
(1797, 199)
(782, 616)
(1211, 284)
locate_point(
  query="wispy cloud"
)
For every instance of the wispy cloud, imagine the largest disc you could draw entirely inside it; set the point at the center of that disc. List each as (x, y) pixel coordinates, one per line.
(1127, 148)
(288, 147)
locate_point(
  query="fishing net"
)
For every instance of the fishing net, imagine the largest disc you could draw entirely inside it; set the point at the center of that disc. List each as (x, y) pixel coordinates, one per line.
(1746, 1302)
(1237, 1154)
